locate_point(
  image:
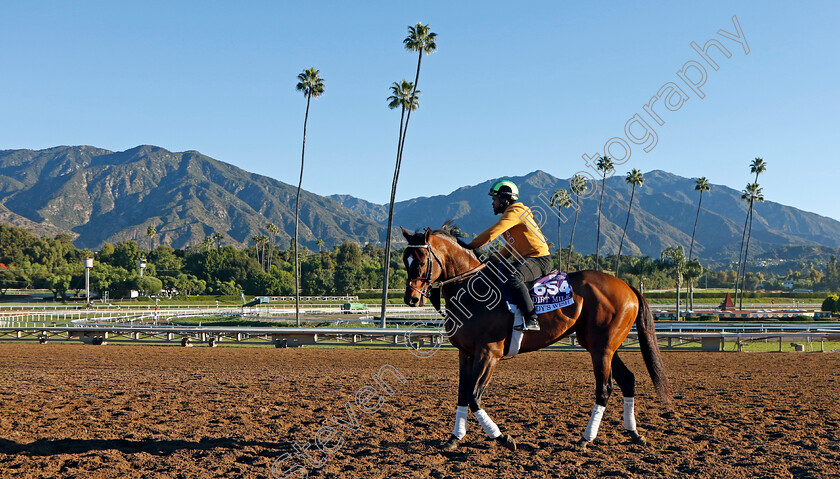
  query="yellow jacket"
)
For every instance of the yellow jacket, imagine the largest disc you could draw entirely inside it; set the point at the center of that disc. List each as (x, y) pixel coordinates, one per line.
(521, 233)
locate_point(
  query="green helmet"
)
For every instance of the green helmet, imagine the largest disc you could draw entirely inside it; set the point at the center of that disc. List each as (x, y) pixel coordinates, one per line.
(505, 189)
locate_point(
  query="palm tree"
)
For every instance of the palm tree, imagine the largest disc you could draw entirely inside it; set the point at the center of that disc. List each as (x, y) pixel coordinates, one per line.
(420, 39)
(757, 166)
(207, 243)
(634, 178)
(263, 242)
(320, 244)
(273, 230)
(605, 164)
(311, 85)
(257, 239)
(150, 232)
(676, 258)
(579, 185)
(754, 195)
(218, 237)
(701, 186)
(405, 97)
(560, 199)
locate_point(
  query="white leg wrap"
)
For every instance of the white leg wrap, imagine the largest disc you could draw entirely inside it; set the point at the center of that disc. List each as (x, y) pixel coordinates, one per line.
(629, 415)
(515, 343)
(594, 423)
(487, 424)
(461, 415)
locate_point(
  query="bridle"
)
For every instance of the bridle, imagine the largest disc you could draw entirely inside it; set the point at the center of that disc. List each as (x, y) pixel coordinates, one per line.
(427, 277)
(429, 285)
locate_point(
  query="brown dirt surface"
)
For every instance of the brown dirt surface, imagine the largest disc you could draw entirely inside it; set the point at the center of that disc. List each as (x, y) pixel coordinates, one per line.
(141, 411)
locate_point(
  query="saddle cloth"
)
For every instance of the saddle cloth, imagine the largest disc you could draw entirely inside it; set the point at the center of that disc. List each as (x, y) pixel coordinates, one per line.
(551, 292)
(548, 293)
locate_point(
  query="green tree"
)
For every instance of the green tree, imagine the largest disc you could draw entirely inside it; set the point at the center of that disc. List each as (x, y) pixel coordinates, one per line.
(263, 284)
(634, 178)
(166, 261)
(348, 268)
(218, 237)
(560, 199)
(605, 165)
(312, 85)
(126, 255)
(58, 284)
(831, 303)
(148, 285)
(188, 284)
(9, 279)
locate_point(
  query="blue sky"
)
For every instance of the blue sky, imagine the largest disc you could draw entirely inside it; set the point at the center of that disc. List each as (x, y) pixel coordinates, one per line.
(514, 87)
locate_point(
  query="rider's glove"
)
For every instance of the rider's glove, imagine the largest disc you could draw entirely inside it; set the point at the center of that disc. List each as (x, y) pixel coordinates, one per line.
(462, 244)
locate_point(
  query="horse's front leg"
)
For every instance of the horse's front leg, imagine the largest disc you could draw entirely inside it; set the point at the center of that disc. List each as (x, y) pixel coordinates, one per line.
(475, 375)
(465, 365)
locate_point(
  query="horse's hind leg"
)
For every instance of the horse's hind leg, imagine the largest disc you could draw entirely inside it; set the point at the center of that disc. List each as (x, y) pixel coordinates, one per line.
(627, 383)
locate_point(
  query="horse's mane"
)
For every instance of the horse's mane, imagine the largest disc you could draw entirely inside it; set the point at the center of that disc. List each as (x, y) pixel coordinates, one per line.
(450, 231)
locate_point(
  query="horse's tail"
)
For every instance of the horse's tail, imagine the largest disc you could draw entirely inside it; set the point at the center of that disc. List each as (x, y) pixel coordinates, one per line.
(650, 350)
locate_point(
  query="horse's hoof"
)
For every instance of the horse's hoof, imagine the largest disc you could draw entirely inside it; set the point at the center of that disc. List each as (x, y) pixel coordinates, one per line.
(636, 438)
(506, 441)
(450, 444)
(581, 445)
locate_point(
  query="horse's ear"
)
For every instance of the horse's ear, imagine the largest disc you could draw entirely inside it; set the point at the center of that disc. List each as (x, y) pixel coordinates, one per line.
(428, 233)
(405, 233)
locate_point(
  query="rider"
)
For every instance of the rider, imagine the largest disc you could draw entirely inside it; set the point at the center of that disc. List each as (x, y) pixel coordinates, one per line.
(523, 239)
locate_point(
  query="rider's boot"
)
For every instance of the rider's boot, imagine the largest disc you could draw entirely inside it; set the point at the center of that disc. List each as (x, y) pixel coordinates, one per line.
(524, 322)
(529, 313)
(531, 323)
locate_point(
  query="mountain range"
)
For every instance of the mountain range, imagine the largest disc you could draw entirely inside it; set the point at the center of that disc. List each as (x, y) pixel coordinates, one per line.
(100, 196)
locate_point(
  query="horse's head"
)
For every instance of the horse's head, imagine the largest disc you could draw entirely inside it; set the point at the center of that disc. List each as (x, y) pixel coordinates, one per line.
(421, 265)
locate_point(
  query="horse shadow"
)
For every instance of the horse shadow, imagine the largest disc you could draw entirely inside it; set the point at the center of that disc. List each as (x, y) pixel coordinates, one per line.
(50, 447)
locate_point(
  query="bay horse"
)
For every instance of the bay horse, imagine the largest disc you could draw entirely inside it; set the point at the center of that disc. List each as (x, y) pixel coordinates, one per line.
(479, 324)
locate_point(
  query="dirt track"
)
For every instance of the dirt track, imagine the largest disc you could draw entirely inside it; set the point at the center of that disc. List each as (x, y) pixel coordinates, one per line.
(133, 411)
